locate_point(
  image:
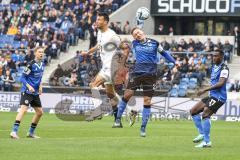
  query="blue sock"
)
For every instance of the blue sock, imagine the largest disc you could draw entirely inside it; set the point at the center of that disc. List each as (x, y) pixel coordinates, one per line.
(115, 112)
(198, 123)
(206, 129)
(121, 107)
(145, 116)
(32, 128)
(16, 126)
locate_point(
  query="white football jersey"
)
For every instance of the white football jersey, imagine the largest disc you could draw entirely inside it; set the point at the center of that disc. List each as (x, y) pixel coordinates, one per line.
(108, 42)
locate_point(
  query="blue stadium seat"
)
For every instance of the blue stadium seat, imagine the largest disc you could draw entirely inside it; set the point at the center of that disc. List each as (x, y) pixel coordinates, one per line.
(174, 92)
(16, 44)
(14, 7)
(182, 92)
(183, 86)
(192, 83)
(184, 80)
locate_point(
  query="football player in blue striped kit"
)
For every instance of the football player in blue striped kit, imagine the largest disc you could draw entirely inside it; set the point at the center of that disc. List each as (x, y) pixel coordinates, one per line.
(143, 74)
(210, 105)
(30, 91)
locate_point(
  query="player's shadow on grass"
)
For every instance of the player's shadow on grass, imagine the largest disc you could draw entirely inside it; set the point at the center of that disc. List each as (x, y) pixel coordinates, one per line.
(64, 112)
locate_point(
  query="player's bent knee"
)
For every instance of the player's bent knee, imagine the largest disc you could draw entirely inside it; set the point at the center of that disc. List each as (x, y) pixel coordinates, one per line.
(23, 109)
(39, 113)
(147, 100)
(193, 112)
(128, 94)
(206, 113)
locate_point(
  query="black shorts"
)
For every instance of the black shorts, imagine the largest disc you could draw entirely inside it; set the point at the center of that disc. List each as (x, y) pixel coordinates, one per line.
(145, 82)
(33, 100)
(212, 103)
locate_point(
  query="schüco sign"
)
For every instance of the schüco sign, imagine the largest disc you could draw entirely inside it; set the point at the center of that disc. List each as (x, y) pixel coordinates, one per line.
(195, 7)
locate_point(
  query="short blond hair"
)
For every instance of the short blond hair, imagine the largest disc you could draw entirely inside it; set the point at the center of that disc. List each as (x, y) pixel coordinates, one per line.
(37, 48)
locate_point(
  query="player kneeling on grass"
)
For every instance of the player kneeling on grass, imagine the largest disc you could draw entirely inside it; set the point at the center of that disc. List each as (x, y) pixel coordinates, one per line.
(209, 105)
(30, 91)
(142, 74)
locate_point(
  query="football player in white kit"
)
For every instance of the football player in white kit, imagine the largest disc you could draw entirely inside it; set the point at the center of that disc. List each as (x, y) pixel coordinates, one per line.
(107, 43)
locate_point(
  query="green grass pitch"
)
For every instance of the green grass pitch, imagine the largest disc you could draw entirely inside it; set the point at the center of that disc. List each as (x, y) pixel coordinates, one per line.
(166, 140)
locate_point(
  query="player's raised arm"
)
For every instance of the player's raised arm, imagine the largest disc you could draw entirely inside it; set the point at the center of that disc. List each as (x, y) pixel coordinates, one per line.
(165, 54)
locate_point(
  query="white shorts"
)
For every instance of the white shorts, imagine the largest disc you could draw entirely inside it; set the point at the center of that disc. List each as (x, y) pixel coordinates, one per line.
(105, 73)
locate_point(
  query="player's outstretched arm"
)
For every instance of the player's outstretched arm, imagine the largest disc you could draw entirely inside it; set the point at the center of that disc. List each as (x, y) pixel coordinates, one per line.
(220, 83)
(166, 54)
(91, 50)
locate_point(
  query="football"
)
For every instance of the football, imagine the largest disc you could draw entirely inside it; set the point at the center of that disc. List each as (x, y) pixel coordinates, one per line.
(142, 13)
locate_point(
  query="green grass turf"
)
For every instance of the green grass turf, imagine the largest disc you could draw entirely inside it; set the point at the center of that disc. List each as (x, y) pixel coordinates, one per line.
(166, 140)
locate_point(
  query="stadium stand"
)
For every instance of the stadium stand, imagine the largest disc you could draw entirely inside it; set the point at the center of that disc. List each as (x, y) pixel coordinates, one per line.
(55, 25)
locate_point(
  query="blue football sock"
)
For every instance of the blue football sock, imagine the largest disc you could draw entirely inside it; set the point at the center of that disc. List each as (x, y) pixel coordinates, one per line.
(16, 126)
(115, 112)
(198, 123)
(145, 116)
(121, 107)
(206, 129)
(32, 128)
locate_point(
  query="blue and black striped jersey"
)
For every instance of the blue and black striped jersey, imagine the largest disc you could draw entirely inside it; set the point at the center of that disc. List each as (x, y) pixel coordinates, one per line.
(32, 75)
(220, 71)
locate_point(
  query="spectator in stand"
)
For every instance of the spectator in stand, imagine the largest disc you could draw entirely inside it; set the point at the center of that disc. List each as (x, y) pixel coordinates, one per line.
(219, 44)
(126, 28)
(208, 65)
(235, 85)
(12, 30)
(118, 28)
(93, 35)
(183, 68)
(193, 59)
(8, 81)
(112, 26)
(29, 56)
(201, 70)
(58, 74)
(173, 46)
(167, 76)
(92, 68)
(160, 68)
(198, 46)
(73, 79)
(3, 62)
(227, 49)
(171, 31)
(182, 44)
(178, 61)
(191, 45)
(11, 65)
(236, 34)
(161, 30)
(165, 44)
(176, 76)
(209, 44)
